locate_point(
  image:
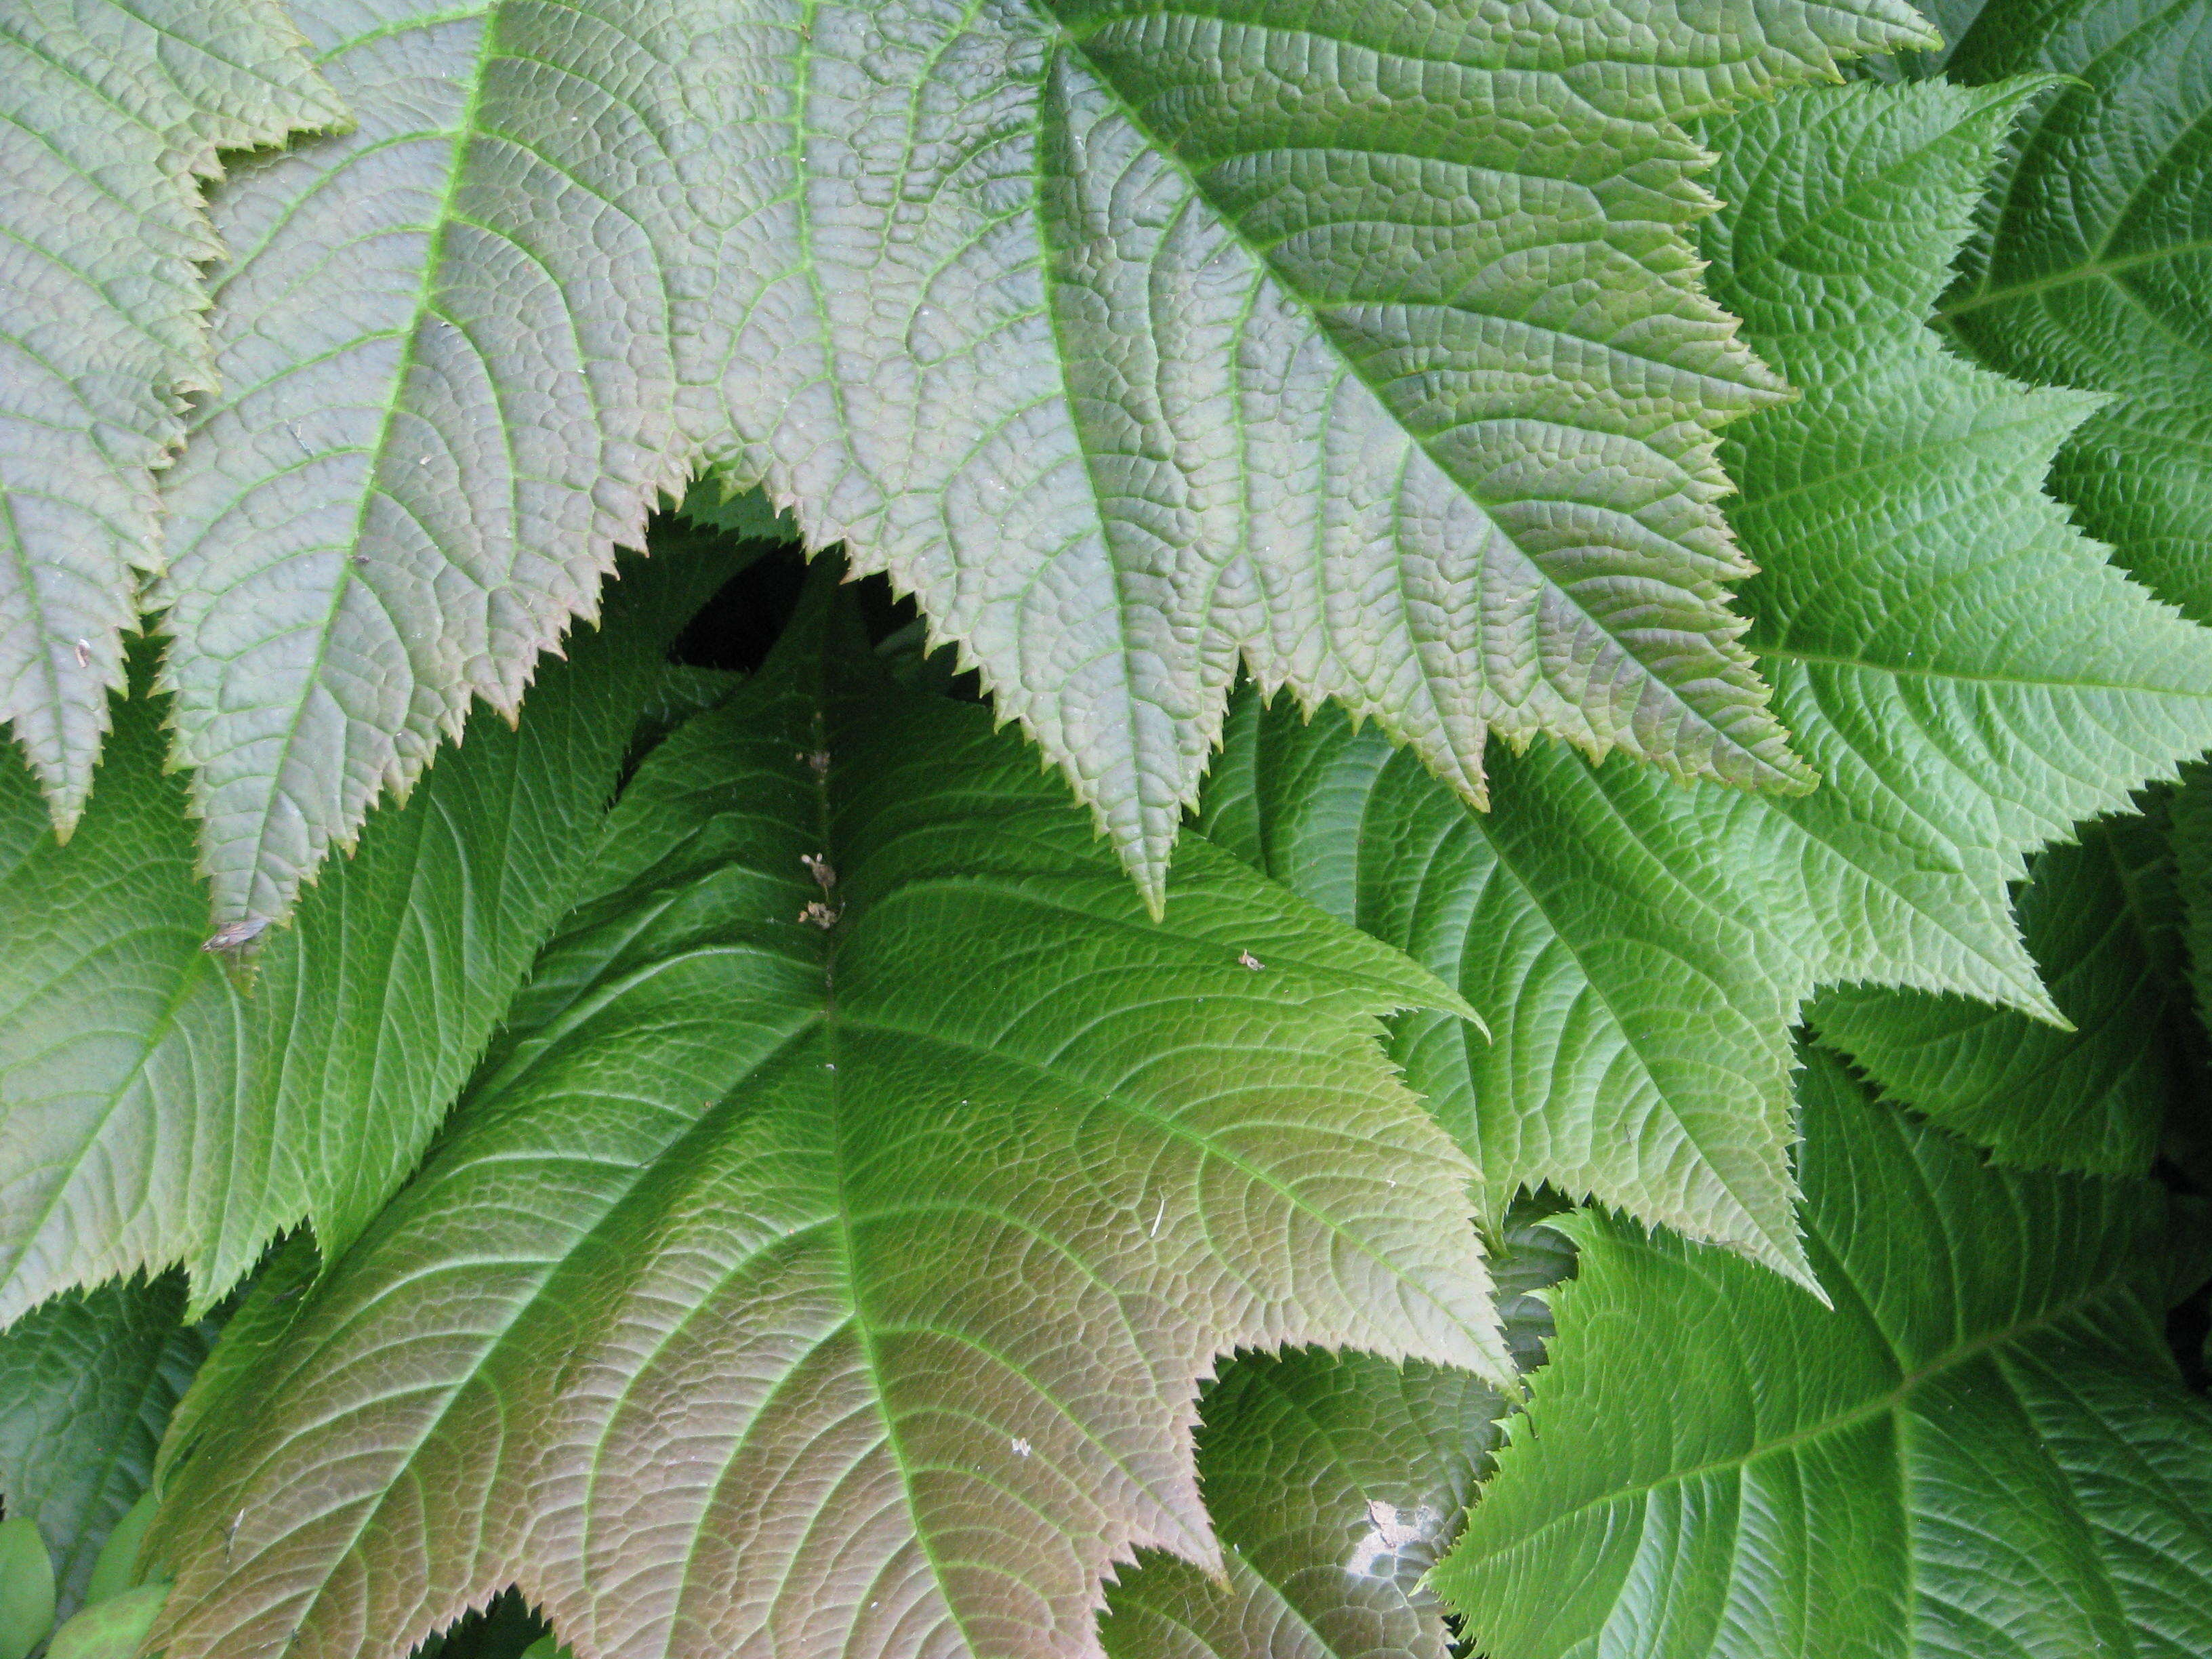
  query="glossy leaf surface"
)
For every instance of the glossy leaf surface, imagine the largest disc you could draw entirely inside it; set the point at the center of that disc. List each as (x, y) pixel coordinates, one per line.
(160, 1106)
(1982, 1449)
(828, 1254)
(112, 114)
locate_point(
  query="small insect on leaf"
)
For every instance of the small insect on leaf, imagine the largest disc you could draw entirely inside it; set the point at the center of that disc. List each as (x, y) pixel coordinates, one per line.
(236, 935)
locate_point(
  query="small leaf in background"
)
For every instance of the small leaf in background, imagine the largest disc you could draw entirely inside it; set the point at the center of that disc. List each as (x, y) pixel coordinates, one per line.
(1983, 1448)
(86, 1385)
(26, 1587)
(118, 1567)
(2091, 264)
(113, 1629)
(829, 1252)
(2101, 919)
(1335, 1481)
(745, 514)
(157, 1106)
(113, 115)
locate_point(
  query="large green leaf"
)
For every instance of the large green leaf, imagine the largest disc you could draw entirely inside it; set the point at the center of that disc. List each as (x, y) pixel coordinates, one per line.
(86, 1385)
(1364, 342)
(1360, 342)
(112, 114)
(1638, 1010)
(2101, 918)
(1968, 672)
(1335, 1481)
(2094, 259)
(1982, 1449)
(452, 343)
(828, 1254)
(157, 1106)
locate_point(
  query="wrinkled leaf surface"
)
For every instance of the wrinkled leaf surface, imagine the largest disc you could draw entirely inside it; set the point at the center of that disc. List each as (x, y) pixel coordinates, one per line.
(828, 1256)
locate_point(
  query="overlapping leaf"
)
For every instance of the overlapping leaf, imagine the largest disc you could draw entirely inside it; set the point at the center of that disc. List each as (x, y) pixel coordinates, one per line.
(2100, 918)
(1638, 1008)
(828, 1258)
(1365, 342)
(111, 117)
(2091, 264)
(86, 1385)
(1361, 342)
(451, 344)
(1968, 673)
(1982, 1448)
(1335, 1481)
(155, 1108)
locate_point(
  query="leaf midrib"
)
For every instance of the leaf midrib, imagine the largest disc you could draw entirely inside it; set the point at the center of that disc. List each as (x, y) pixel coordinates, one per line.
(1830, 659)
(1891, 1401)
(1234, 229)
(2089, 271)
(496, 1343)
(256, 867)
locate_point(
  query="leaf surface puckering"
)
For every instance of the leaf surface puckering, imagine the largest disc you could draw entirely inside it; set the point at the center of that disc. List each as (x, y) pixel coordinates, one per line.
(86, 1385)
(2091, 265)
(1335, 1481)
(2100, 918)
(842, 1290)
(1982, 1449)
(157, 1107)
(111, 112)
(451, 344)
(1366, 345)
(1966, 671)
(1361, 342)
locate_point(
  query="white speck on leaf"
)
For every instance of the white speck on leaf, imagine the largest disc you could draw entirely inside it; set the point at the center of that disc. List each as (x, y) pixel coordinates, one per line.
(1391, 1531)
